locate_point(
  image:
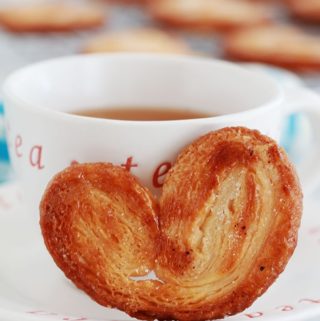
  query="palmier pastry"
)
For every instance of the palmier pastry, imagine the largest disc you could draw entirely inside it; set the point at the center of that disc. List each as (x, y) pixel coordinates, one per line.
(307, 10)
(284, 46)
(137, 40)
(209, 14)
(128, 2)
(224, 229)
(51, 17)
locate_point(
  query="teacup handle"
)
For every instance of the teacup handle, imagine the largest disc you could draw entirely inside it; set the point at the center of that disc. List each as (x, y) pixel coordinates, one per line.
(304, 100)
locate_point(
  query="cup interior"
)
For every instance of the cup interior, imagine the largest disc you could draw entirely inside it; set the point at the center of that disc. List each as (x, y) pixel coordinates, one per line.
(137, 80)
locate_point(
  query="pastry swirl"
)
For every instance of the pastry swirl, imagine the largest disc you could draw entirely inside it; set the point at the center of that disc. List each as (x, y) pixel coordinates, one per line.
(224, 229)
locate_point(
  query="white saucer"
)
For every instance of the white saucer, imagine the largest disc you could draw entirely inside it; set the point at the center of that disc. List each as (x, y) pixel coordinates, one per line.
(33, 288)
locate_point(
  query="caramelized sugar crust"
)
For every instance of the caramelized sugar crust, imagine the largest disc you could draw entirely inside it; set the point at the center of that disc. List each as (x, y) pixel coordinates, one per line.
(224, 229)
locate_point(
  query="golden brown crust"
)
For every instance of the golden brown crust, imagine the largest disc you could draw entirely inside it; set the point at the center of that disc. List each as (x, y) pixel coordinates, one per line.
(282, 46)
(51, 17)
(138, 40)
(209, 14)
(225, 229)
(306, 10)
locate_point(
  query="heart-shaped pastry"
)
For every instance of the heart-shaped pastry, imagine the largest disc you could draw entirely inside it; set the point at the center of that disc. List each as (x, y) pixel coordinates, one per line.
(283, 46)
(225, 228)
(210, 14)
(47, 17)
(138, 40)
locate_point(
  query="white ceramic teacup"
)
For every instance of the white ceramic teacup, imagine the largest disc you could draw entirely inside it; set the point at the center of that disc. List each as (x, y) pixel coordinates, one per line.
(44, 138)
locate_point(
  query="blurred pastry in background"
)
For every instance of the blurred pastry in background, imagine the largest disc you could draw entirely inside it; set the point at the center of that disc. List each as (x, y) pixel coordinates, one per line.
(308, 10)
(284, 46)
(127, 2)
(137, 40)
(51, 17)
(209, 14)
